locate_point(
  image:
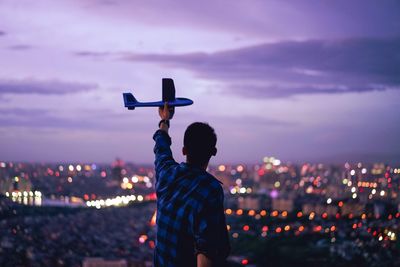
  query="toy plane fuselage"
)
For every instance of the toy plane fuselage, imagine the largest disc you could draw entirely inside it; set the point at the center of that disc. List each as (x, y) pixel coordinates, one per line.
(168, 95)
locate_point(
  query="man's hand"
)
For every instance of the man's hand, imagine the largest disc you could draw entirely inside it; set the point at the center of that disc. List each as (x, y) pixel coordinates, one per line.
(166, 113)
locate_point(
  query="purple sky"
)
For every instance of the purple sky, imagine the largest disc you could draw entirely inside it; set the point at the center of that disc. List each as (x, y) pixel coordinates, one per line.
(299, 80)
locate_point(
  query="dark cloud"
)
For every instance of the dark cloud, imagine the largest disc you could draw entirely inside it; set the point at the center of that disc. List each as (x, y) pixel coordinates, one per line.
(289, 68)
(22, 112)
(29, 86)
(84, 119)
(245, 120)
(2, 33)
(20, 47)
(37, 118)
(279, 92)
(91, 54)
(269, 19)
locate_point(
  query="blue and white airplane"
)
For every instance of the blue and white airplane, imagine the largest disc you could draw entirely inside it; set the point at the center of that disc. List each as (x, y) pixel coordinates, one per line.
(168, 95)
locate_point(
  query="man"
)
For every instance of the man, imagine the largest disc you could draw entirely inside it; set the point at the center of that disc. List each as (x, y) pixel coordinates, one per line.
(191, 227)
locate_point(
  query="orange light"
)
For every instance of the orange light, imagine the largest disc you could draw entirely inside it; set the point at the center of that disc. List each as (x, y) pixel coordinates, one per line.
(363, 216)
(239, 212)
(228, 211)
(228, 227)
(274, 213)
(301, 228)
(278, 230)
(354, 226)
(284, 213)
(333, 228)
(263, 213)
(153, 219)
(287, 228)
(251, 213)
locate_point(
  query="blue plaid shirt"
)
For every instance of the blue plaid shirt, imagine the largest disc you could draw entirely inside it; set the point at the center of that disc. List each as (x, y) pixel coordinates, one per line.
(190, 212)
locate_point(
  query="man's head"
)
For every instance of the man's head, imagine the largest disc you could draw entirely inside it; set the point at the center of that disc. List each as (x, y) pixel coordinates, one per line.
(199, 143)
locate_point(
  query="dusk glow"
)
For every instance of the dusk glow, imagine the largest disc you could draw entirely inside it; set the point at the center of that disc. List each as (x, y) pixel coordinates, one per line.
(300, 80)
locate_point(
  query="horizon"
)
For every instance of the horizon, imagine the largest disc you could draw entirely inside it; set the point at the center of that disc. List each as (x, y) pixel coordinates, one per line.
(305, 81)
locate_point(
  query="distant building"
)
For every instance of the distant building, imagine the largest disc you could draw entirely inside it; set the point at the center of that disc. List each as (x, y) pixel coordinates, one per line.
(117, 169)
(379, 209)
(249, 202)
(281, 204)
(354, 208)
(319, 209)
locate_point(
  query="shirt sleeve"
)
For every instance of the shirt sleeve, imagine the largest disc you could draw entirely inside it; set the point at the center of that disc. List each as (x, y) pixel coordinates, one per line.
(210, 231)
(163, 153)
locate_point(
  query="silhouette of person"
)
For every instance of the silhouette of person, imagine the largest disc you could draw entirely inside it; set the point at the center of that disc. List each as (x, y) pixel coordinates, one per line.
(191, 227)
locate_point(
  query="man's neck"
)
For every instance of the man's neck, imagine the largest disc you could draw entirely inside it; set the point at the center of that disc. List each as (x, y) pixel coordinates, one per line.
(203, 167)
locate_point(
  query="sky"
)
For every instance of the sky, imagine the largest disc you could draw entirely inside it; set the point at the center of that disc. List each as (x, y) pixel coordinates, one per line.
(299, 80)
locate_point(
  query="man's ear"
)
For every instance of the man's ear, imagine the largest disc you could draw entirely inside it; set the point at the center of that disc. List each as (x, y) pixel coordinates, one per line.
(214, 151)
(184, 151)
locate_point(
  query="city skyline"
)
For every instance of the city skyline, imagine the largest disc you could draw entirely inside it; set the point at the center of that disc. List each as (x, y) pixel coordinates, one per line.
(300, 80)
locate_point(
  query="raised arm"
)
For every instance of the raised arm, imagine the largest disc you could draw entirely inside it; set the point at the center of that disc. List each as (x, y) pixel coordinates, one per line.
(162, 148)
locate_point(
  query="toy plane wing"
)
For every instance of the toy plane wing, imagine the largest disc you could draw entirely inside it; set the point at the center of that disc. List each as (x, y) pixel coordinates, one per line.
(168, 95)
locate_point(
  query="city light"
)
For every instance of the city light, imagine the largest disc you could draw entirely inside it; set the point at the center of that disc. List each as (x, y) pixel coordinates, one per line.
(221, 168)
(78, 168)
(116, 201)
(335, 205)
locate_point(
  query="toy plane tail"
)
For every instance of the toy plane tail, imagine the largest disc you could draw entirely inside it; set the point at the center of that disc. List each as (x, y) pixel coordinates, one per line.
(168, 90)
(129, 99)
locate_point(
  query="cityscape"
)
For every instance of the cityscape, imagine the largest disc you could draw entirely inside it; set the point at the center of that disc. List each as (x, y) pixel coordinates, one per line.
(86, 214)
(301, 96)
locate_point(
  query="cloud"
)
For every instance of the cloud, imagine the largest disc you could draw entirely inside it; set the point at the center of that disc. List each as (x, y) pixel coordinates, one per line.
(268, 19)
(279, 92)
(22, 112)
(91, 54)
(2, 33)
(20, 47)
(37, 118)
(82, 119)
(292, 67)
(48, 87)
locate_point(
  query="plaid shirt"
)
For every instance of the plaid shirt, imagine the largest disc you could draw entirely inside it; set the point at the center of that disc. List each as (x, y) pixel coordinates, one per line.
(190, 212)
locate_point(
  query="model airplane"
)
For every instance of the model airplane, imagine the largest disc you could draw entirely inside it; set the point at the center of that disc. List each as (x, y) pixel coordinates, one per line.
(168, 95)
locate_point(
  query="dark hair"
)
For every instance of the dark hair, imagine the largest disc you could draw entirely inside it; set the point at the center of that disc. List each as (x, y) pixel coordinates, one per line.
(200, 140)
